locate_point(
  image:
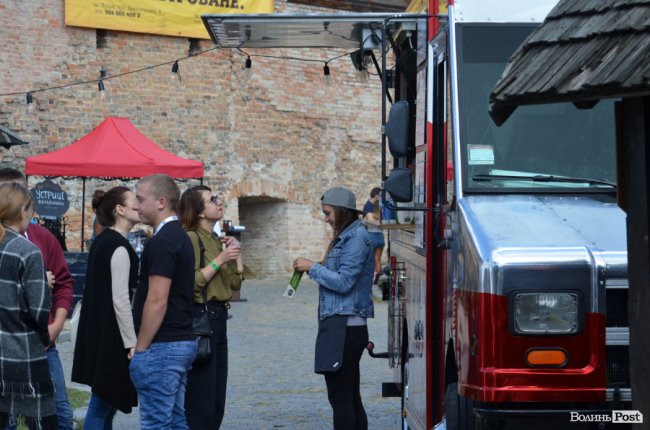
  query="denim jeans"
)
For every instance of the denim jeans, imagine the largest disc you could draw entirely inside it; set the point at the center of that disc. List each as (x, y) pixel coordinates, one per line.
(159, 375)
(99, 415)
(63, 408)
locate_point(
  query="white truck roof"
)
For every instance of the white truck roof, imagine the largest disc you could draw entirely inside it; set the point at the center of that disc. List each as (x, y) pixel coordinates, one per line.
(502, 11)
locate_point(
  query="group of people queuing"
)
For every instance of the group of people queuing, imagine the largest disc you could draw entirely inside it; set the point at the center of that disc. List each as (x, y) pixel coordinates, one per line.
(135, 343)
(140, 350)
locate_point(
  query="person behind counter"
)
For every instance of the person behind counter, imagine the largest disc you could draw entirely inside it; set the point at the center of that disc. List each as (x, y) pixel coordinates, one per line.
(106, 335)
(217, 274)
(345, 302)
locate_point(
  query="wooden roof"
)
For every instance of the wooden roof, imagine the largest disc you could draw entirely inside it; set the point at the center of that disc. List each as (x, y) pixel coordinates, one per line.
(9, 138)
(584, 51)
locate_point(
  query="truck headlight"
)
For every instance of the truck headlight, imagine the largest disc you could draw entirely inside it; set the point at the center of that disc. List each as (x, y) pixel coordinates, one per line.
(546, 313)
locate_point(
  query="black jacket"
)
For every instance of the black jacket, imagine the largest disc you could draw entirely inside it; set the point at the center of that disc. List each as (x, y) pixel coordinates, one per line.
(100, 358)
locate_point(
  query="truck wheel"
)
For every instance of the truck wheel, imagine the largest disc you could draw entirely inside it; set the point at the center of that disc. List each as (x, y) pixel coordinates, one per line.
(405, 375)
(405, 393)
(458, 410)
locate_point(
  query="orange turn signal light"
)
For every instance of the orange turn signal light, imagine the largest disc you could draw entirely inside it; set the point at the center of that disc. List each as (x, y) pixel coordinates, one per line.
(547, 357)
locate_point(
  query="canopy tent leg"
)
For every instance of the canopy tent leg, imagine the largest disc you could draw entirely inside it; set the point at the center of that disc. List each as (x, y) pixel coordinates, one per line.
(83, 210)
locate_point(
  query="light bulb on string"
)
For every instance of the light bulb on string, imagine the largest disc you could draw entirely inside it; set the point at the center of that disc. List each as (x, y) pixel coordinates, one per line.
(362, 75)
(102, 91)
(175, 75)
(248, 67)
(327, 78)
(30, 103)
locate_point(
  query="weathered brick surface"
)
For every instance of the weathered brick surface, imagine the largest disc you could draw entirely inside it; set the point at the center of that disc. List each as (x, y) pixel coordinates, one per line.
(271, 142)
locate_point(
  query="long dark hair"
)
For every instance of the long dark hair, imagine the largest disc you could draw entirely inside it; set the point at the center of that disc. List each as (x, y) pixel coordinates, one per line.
(344, 217)
(104, 203)
(190, 207)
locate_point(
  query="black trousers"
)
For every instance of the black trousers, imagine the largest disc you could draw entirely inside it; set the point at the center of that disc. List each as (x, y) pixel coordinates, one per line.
(205, 396)
(343, 386)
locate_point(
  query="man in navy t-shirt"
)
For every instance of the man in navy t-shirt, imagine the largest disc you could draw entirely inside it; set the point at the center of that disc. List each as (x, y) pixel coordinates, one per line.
(372, 219)
(162, 308)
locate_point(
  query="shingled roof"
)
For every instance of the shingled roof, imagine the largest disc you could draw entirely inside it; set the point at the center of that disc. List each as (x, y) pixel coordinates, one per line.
(9, 138)
(584, 51)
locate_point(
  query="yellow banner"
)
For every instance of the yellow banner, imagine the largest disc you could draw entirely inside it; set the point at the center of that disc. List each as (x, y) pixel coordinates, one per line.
(422, 6)
(168, 17)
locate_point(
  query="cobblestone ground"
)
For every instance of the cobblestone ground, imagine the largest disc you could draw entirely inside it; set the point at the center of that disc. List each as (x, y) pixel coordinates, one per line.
(271, 384)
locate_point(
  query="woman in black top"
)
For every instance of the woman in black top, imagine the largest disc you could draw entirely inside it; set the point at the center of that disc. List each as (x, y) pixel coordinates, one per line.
(106, 335)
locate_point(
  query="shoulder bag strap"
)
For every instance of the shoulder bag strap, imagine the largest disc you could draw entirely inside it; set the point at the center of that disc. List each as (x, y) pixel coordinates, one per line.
(202, 265)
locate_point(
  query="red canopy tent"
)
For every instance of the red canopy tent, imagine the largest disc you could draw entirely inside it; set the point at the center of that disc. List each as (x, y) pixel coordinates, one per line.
(114, 149)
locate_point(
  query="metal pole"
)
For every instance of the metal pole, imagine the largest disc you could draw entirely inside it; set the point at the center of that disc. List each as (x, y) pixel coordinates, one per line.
(83, 210)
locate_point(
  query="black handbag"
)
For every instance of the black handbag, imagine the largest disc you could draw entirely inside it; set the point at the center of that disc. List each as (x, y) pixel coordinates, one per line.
(203, 332)
(201, 324)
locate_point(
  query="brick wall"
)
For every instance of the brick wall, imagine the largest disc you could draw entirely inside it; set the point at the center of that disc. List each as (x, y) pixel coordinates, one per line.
(271, 142)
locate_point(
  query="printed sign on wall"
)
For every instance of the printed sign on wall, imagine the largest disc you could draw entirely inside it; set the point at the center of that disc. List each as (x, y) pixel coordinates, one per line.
(50, 200)
(168, 17)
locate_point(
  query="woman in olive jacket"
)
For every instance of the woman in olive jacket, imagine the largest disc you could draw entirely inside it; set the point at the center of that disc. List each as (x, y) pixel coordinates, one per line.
(219, 270)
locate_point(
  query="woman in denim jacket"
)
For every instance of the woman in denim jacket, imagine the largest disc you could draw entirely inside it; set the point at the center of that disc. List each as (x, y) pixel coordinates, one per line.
(345, 290)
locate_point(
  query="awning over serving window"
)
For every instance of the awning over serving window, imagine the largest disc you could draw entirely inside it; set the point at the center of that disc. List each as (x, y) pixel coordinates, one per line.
(340, 30)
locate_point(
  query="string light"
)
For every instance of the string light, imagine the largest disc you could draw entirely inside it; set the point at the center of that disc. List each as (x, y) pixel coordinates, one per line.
(101, 87)
(175, 76)
(174, 68)
(248, 67)
(327, 79)
(30, 103)
(362, 75)
(102, 91)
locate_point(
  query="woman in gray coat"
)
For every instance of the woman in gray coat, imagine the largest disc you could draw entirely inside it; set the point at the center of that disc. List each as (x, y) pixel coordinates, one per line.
(25, 382)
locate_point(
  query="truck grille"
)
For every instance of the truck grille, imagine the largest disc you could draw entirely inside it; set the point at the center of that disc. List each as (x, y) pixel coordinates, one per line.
(617, 307)
(617, 340)
(618, 366)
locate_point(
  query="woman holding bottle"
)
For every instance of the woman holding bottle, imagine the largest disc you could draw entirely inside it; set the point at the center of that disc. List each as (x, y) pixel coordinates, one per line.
(345, 302)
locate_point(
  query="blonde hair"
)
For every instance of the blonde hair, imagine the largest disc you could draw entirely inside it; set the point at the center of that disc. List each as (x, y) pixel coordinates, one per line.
(14, 197)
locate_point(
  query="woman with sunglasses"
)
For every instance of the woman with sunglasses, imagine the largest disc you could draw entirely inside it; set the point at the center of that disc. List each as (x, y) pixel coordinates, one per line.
(218, 272)
(345, 302)
(27, 388)
(106, 335)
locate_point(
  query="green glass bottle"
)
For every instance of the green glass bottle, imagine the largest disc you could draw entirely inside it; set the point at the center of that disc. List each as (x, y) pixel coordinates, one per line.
(293, 284)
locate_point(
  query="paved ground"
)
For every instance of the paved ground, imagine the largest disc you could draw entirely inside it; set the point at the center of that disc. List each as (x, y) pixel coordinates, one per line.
(271, 381)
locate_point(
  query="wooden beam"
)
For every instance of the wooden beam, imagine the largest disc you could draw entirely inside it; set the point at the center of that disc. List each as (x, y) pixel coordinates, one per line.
(635, 134)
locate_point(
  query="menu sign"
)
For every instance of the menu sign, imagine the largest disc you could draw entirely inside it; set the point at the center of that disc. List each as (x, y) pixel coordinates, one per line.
(50, 200)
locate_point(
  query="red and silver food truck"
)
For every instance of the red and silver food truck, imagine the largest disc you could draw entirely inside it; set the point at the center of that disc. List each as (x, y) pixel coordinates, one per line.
(508, 282)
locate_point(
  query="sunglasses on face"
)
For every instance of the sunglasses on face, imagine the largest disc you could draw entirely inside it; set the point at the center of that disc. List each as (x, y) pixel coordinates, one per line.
(216, 200)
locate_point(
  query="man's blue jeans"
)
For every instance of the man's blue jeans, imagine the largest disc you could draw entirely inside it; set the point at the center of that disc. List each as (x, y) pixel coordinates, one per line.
(159, 375)
(63, 408)
(100, 414)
